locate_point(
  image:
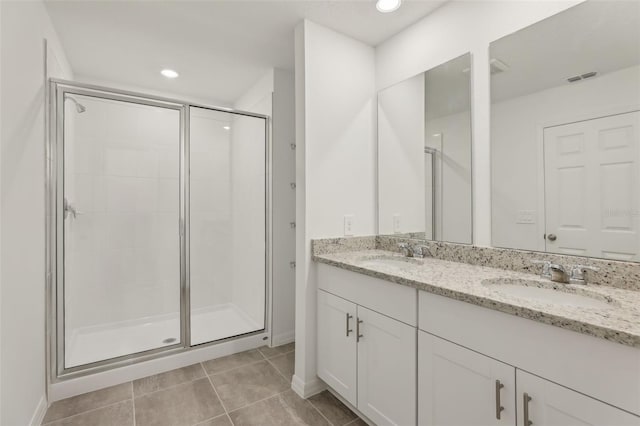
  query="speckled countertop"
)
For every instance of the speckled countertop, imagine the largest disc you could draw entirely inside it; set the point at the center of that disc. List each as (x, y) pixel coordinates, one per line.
(614, 316)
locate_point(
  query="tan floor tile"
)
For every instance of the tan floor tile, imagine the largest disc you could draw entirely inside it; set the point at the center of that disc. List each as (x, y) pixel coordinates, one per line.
(285, 409)
(278, 350)
(248, 384)
(218, 421)
(88, 401)
(185, 404)
(167, 379)
(219, 365)
(119, 414)
(285, 364)
(331, 407)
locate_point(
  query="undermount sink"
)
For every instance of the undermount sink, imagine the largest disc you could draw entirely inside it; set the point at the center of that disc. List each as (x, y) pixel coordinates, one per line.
(389, 260)
(554, 293)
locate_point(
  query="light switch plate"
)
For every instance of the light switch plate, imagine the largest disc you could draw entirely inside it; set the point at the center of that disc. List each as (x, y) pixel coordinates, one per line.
(348, 225)
(396, 224)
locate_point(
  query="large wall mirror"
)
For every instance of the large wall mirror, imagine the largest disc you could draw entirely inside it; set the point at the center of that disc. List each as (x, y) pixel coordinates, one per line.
(424, 155)
(565, 133)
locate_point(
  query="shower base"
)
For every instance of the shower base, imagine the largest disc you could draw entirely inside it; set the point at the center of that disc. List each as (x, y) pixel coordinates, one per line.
(97, 343)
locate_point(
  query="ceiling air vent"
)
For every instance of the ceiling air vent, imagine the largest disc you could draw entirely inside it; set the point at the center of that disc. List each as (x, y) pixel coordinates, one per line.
(497, 66)
(582, 77)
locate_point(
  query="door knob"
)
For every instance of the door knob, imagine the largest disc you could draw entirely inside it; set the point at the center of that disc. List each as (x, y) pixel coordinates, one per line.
(552, 237)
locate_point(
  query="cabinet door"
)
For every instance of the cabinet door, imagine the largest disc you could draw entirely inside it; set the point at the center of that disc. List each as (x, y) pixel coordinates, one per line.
(548, 404)
(337, 352)
(457, 386)
(386, 369)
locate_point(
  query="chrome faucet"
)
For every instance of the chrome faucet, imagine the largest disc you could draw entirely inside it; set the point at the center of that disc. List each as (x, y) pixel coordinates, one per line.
(578, 274)
(406, 249)
(417, 250)
(558, 273)
(552, 271)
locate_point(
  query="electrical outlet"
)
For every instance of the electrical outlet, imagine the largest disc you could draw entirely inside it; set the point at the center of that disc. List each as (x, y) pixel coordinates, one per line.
(526, 217)
(348, 225)
(396, 224)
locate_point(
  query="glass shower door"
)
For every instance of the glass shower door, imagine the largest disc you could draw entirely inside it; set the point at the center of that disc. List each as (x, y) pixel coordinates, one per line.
(120, 215)
(227, 224)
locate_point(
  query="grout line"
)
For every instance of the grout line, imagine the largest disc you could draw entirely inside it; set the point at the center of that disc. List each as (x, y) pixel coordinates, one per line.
(321, 413)
(260, 400)
(288, 380)
(133, 403)
(212, 418)
(218, 395)
(235, 368)
(230, 419)
(88, 411)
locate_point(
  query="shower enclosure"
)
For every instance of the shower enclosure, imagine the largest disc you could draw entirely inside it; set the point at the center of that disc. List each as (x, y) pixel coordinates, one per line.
(157, 226)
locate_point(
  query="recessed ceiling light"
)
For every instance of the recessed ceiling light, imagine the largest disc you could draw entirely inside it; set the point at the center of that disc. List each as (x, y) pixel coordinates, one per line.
(386, 6)
(226, 127)
(169, 73)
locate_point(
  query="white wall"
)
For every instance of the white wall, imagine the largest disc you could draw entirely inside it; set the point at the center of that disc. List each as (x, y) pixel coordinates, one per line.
(23, 27)
(335, 163)
(452, 30)
(516, 130)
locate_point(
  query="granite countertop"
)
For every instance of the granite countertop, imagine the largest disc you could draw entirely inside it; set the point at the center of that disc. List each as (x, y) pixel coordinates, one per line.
(615, 315)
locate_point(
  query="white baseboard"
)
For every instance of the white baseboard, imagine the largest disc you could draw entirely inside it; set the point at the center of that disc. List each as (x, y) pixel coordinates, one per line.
(283, 338)
(307, 389)
(41, 410)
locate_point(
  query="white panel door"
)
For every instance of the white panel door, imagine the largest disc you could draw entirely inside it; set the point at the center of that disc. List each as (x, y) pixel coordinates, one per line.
(459, 387)
(592, 187)
(386, 369)
(544, 403)
(337, 351)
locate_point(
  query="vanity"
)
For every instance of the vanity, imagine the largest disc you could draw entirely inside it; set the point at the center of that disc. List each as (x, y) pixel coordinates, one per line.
(433, 342)
(543, 327)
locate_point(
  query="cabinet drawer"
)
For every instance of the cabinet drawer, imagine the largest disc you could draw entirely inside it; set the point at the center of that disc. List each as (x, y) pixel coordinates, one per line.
(394, 300)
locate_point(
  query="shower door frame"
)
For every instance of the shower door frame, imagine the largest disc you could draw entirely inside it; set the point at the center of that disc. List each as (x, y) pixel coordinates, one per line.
(54, 229)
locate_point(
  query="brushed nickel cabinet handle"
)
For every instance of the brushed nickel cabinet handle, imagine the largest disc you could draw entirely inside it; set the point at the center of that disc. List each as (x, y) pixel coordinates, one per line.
(499, 407)
(348, 329)
(358, 335)
(525, 401)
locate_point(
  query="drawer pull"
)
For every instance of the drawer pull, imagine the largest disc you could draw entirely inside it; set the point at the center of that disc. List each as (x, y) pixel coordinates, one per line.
(348, 329)
(499, 407)
(525, 402)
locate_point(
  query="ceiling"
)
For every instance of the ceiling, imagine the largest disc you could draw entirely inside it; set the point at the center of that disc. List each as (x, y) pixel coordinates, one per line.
(219, 47)
(592, 36)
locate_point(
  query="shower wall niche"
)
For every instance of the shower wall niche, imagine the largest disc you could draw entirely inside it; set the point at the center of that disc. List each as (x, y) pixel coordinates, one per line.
(157, 226)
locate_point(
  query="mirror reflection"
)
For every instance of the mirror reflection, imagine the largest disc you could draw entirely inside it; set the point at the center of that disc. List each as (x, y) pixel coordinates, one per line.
(424, 155)
(565, 133)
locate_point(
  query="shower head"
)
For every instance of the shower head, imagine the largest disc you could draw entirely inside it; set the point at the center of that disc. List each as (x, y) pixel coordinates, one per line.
(79, 107)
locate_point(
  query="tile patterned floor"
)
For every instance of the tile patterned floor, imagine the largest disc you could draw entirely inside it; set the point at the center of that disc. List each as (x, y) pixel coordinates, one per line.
(249, 388)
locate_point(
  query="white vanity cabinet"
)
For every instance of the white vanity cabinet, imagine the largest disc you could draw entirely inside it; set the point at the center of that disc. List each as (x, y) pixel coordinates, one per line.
(337, 351)
(457, 386)
(367, 344)
(541, 402)
(386, 369)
